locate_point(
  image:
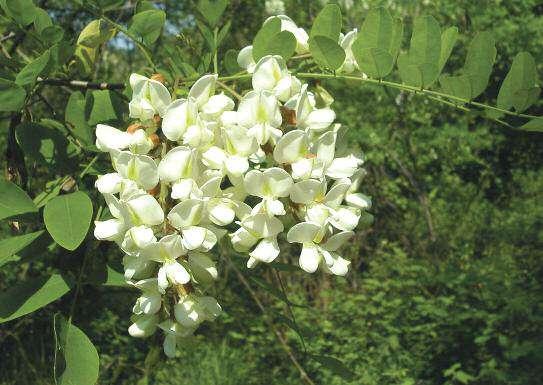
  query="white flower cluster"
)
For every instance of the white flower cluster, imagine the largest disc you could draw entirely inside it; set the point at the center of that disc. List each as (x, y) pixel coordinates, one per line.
(192, 170)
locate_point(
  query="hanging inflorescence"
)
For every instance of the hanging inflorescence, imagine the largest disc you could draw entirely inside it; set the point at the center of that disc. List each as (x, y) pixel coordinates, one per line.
(191, 171)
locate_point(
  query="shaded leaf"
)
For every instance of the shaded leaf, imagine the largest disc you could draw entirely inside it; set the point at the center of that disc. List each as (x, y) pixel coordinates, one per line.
(33, 294)
(212, 10)
(22, 11)
(534, 125)
(448, 40)
(10, 246)
(519, 89)
(42, 20)
(334, 365)
(327, 23)
(81, 362)
(75, 118)
(103, 106)
(282, 44)
(14, 201)
(375, 62)
(30, 72)
(12, 96)
(67, 218)
(231, 61)
(326, 52)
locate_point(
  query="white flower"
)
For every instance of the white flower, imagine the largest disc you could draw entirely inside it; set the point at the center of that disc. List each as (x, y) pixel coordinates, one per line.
(166, 251)
(180, 166)
(178, 117)
(259, 112)
(216, 105)
(202, 267)
(269, 185)
(353, 197)
(144, 325)
(315, 251)
(149, 97)
(150, 300)
(192, 310)
(109, 183)
(245, 59)
(311, 118)
(141, 169)
(186, 217)
(271, 74)
(346, 42)
(203, 89)
(238, 145)
(174, 332)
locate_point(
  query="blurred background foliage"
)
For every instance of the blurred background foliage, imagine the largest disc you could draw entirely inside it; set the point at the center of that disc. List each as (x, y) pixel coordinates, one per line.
(446, 285)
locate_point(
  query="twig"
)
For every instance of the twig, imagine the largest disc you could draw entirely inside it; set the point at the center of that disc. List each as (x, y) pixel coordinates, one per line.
(81, 84)
(279, 336)
(230, 90)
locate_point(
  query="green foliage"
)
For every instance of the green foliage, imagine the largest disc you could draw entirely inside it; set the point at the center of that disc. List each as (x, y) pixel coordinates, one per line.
(147, 25)
(79, 354)
(326, 52)
(327, 23)
(14, 201)
(10, 246)
(519, 88)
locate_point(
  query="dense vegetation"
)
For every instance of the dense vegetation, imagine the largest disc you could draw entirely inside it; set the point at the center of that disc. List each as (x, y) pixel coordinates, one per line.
(446, 285)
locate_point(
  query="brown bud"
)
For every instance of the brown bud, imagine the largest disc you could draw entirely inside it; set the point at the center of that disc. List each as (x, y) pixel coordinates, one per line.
(155, 190)
(157, 119)
(159, 78)
(310, 156)
(133, 128)
(155, 139)
(289, 116)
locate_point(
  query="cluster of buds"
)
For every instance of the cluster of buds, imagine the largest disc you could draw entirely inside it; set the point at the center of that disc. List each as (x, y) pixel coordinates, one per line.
(192, 171)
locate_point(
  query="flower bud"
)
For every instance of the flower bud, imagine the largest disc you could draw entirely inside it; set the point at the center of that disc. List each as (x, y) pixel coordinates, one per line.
(134, 127)
(155, 139)
(159, 78)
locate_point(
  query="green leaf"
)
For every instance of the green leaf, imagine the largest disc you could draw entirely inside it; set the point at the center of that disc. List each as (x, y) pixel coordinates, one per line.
(29, 74)
(10, 246)
(42, 20)
(81, 362)
(231, 62)
(223, 32)
(12, 96)
(375, 62)
(479, 62)
(378, 43)
(95, 33)
(534, 125)
(448, 40)
(103, 106)
(28, 296)
(144, 5)
(212, 10)
(334, 365)
(22, 11)
(327, 23)
(147, 25)
(67, 218)
(519, 87)
(260, 43)
(75, 118)
(51, 190)
(52, 35)
(207, 33)
(326, 52)
(44, 144)
(475, 74)
(14, 201)
(282, 44)
(420, 67)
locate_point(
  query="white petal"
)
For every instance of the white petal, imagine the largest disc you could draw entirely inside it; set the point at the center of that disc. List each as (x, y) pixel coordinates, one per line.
(109, 138)
(345, 218)
(194, 236)
(146, 210)
(335, 196)
(170, 343)
(186, 313)
(179, 115)
(216, 105)
(236, 165)
(263, 225)
(110, 230)
(182, 189)
(109, 183)
(221, 213)
(144, 326)
(214, 158)
(211, 307)
(266, 250)
(339, 265)
(159, 96)
(358, 200)
(291, 147)
(177, 274)
(202, 267)
(245, 59)
(187, 213)
(337, 240)
(320, 119)
(308, 191)
(141, 169)
(254, 183)
(242, 240)
(268, 71)
(309, 258)
(203, 88)
(178, 163)
(344, 167)
(303, 232)
(278, 181)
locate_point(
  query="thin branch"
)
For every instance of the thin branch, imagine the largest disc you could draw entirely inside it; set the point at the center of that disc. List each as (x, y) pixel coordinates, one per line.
(82, 84)
(230, 90)
(279, 336)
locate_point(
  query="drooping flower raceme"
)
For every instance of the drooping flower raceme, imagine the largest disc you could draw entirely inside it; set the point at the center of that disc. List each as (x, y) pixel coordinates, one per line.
(192, 172)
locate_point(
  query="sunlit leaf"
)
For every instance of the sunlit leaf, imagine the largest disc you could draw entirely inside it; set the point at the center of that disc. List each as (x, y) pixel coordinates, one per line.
(147, 25)
(448, 40)
(327, 23)
(212, 10)
(30, 72)
(260, 43)
(67, 218)
(22, 11)
(534, 125)
(326, 52)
